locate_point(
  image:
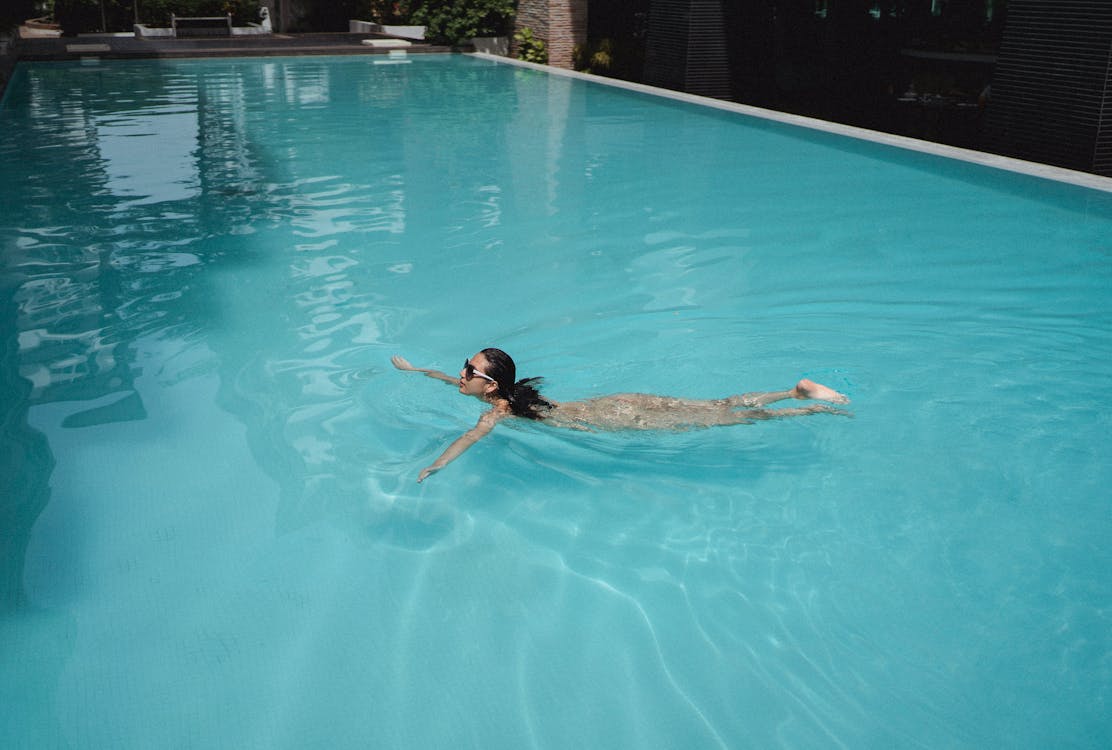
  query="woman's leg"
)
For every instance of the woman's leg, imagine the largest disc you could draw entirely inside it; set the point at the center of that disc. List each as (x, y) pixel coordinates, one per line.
(804, 389)
(642, 411)
(747, 416)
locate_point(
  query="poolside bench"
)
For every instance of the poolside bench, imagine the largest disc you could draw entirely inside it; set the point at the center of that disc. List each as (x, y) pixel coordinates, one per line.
(201, 25)
(88, 48)
(387, 43)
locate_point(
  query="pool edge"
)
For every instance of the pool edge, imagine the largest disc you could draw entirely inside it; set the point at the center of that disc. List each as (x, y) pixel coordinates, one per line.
(983, 158)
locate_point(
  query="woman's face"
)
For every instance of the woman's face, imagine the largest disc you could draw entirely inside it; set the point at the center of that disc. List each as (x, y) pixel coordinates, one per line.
(473, 380)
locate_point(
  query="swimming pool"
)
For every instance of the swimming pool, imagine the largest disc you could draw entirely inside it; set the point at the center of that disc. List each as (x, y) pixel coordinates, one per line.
(213, 533)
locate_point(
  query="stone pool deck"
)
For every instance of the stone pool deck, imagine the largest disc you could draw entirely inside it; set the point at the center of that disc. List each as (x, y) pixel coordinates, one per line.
(128, 46)
(33, 47)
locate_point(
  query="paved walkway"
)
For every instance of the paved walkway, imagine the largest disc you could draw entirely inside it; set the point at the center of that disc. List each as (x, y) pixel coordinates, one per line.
(36, 44)
(117, 47)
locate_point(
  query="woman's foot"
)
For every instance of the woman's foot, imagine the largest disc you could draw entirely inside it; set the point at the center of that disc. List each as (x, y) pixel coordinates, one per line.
(810, 389)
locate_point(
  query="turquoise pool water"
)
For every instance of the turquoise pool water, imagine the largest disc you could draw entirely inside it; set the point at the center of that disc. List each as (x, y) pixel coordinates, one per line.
(213, 536)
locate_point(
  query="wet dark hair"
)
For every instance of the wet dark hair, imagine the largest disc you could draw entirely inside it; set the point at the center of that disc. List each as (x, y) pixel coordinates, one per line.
(525, 400)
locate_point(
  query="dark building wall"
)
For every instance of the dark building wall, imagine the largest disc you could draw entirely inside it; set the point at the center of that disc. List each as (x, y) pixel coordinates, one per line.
(773, 53)
(666, 44)
(907, 70)
(1053, 82)
(685, 47)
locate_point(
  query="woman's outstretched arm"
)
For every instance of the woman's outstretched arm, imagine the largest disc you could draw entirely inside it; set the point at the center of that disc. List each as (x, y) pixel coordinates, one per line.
(462, 443)
(403, 364)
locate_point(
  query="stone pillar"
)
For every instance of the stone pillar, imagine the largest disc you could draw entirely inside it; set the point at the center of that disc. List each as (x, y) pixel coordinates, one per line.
(562, 24)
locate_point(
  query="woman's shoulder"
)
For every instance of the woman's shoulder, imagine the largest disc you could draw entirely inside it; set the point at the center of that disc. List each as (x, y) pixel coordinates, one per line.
(498, 410)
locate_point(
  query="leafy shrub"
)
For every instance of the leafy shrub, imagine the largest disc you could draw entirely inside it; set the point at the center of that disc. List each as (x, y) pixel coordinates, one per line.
(456, 21)
(595, 57)
(529, 47)
(391, 12)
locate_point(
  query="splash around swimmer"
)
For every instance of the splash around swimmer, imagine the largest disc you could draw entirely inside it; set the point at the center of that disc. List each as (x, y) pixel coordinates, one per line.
(491, 376)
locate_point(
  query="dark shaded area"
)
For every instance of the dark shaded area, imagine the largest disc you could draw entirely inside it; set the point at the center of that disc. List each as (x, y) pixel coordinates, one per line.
(674, 60)
(1052, 91)
(616, 39)
(15, 12)
(1022, 78)
(908, 66)
(1036, 73)
(330, 16)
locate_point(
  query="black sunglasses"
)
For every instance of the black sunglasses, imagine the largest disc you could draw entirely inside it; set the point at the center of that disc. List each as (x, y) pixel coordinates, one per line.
(469, 372)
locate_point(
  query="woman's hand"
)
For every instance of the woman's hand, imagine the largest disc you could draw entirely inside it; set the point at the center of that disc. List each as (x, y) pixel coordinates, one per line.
(403, 364)
(427, 472)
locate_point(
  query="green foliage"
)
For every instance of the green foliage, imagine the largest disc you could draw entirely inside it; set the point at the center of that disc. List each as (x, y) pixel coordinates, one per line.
(530, 48)
(594, 57)
(333, 15)
(390, 12)
(622, 57)
(456, 21)
(82, 16)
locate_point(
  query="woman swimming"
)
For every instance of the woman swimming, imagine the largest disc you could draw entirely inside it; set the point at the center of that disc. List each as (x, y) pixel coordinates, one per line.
(491, 376)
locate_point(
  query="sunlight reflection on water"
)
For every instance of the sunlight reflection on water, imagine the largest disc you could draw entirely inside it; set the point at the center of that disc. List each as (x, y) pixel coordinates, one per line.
(214, 462)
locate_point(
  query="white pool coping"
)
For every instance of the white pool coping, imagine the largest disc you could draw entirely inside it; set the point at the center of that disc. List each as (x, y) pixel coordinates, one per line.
(1034, 169)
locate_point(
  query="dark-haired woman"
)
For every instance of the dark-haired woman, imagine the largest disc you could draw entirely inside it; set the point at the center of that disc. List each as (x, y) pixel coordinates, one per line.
(491, 376)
